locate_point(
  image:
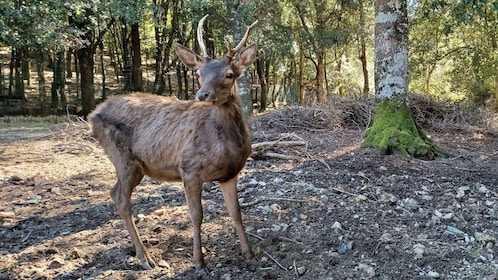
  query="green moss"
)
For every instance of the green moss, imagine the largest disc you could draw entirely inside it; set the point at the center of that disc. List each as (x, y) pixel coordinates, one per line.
(394, 130)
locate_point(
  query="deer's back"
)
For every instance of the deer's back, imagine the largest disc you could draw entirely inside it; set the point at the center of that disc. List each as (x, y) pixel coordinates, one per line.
(168, 137)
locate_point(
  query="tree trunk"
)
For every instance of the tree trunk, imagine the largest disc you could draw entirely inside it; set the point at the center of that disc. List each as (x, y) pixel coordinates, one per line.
(160, 16)
(320, 78)
(85, 59)
(58, 81)
(301, 76)
(363, 53)
(136, 59)
(496, 93)
(42, 95)
(394, 128)
(238, 32)
(69, 63)
(261, 69)
(363, 59)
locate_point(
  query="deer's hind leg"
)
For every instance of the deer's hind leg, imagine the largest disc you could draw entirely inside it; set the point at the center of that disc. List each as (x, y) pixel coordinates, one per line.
(129, 174)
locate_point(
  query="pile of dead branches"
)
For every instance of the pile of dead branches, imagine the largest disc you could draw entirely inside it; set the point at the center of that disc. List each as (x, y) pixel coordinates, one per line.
(445, 115)
(288, 146)
(290, 119)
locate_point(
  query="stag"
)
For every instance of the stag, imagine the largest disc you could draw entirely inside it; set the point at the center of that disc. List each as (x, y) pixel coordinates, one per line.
(195, 141)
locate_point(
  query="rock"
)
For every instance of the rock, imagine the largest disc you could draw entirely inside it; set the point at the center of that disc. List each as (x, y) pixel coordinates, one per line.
(419, 251)
(386, 238)
(34, 199)
(56, 263)
(336, 226)
(433, 274)
(387, 197)
(343, 248)
(482, 188)
(226, 276)
(461, 191)
(55, 190)
(253, 182)
(301, 270)
(75, 254)
(361, 197)
(448, 216)
(367, 270)
(454, 230)
(482, 237)
(278, 180)
(163, 263)
(411, 203)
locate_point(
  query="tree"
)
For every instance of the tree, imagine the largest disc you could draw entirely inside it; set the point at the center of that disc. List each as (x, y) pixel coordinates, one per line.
(394, 128)
(236, 17)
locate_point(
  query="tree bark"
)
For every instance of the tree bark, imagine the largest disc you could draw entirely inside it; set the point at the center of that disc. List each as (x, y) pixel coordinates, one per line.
(85, 59)
(394, 128)
(301, 76)
(363, 59)
(136, 59)
(320, 78)
(238, 32)
(261, 69)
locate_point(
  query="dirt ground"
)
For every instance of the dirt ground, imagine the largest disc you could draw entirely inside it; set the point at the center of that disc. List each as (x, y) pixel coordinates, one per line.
(340, 212)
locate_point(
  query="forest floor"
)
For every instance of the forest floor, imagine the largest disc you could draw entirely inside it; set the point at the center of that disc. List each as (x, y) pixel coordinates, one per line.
(338, 212)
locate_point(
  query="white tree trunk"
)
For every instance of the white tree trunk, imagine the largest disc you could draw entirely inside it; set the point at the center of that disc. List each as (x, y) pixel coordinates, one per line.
(391, 49)
(243, 82)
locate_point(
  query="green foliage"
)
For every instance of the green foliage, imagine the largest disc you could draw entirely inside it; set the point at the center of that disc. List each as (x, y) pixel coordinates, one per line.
(454, 52)
(128, 10)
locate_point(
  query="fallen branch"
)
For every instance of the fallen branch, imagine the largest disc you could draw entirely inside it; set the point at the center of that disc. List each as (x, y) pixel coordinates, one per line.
(272, 149)
(341, 190)
(275, 260)
(278, 156)
(252, 203)
(270, 144)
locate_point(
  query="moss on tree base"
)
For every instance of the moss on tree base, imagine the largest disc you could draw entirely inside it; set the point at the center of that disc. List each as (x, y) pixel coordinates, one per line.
(394, 129)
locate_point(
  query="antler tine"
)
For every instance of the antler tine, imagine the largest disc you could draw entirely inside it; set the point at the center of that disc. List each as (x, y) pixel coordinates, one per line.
(232, 52)
(200, 40)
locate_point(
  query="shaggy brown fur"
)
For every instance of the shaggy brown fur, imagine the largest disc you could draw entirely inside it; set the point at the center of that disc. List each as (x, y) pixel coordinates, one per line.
(192, 141)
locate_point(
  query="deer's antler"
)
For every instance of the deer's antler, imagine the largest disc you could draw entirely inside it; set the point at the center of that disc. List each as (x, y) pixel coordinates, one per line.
(200, 40)
(231, 52)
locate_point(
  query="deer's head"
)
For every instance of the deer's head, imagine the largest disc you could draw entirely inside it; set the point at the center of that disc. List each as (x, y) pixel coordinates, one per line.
(217, 76)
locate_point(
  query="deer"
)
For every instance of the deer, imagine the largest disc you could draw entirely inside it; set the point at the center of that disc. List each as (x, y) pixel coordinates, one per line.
(192, 141)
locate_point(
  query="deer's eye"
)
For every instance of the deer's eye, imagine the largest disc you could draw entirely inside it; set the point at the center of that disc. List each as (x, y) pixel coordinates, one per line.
(229, 76)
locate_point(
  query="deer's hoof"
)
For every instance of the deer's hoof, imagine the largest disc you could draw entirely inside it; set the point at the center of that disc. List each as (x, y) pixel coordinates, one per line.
(148, 264)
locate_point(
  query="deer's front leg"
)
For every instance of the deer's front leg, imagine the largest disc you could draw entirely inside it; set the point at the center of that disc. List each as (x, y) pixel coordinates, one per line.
(193, 190)
(229, 190)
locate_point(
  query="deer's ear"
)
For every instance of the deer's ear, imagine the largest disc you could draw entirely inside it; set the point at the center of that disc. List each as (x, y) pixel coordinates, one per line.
(247, 56)
(188, 57)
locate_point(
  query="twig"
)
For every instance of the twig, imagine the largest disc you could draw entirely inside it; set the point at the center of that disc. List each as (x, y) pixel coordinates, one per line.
(274, 260)
(270, 144)
(322, 161)
(254, 235)
(341, 190)
(277, 155)
(289, 239)
(252, 203)
(295, 268)
(26, 237)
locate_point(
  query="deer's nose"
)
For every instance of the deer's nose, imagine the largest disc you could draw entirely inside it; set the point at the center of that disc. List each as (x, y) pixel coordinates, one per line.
(204, 95)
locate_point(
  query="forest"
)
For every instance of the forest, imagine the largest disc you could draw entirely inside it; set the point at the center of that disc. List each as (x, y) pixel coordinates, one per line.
(371, 137)
(59, 53)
